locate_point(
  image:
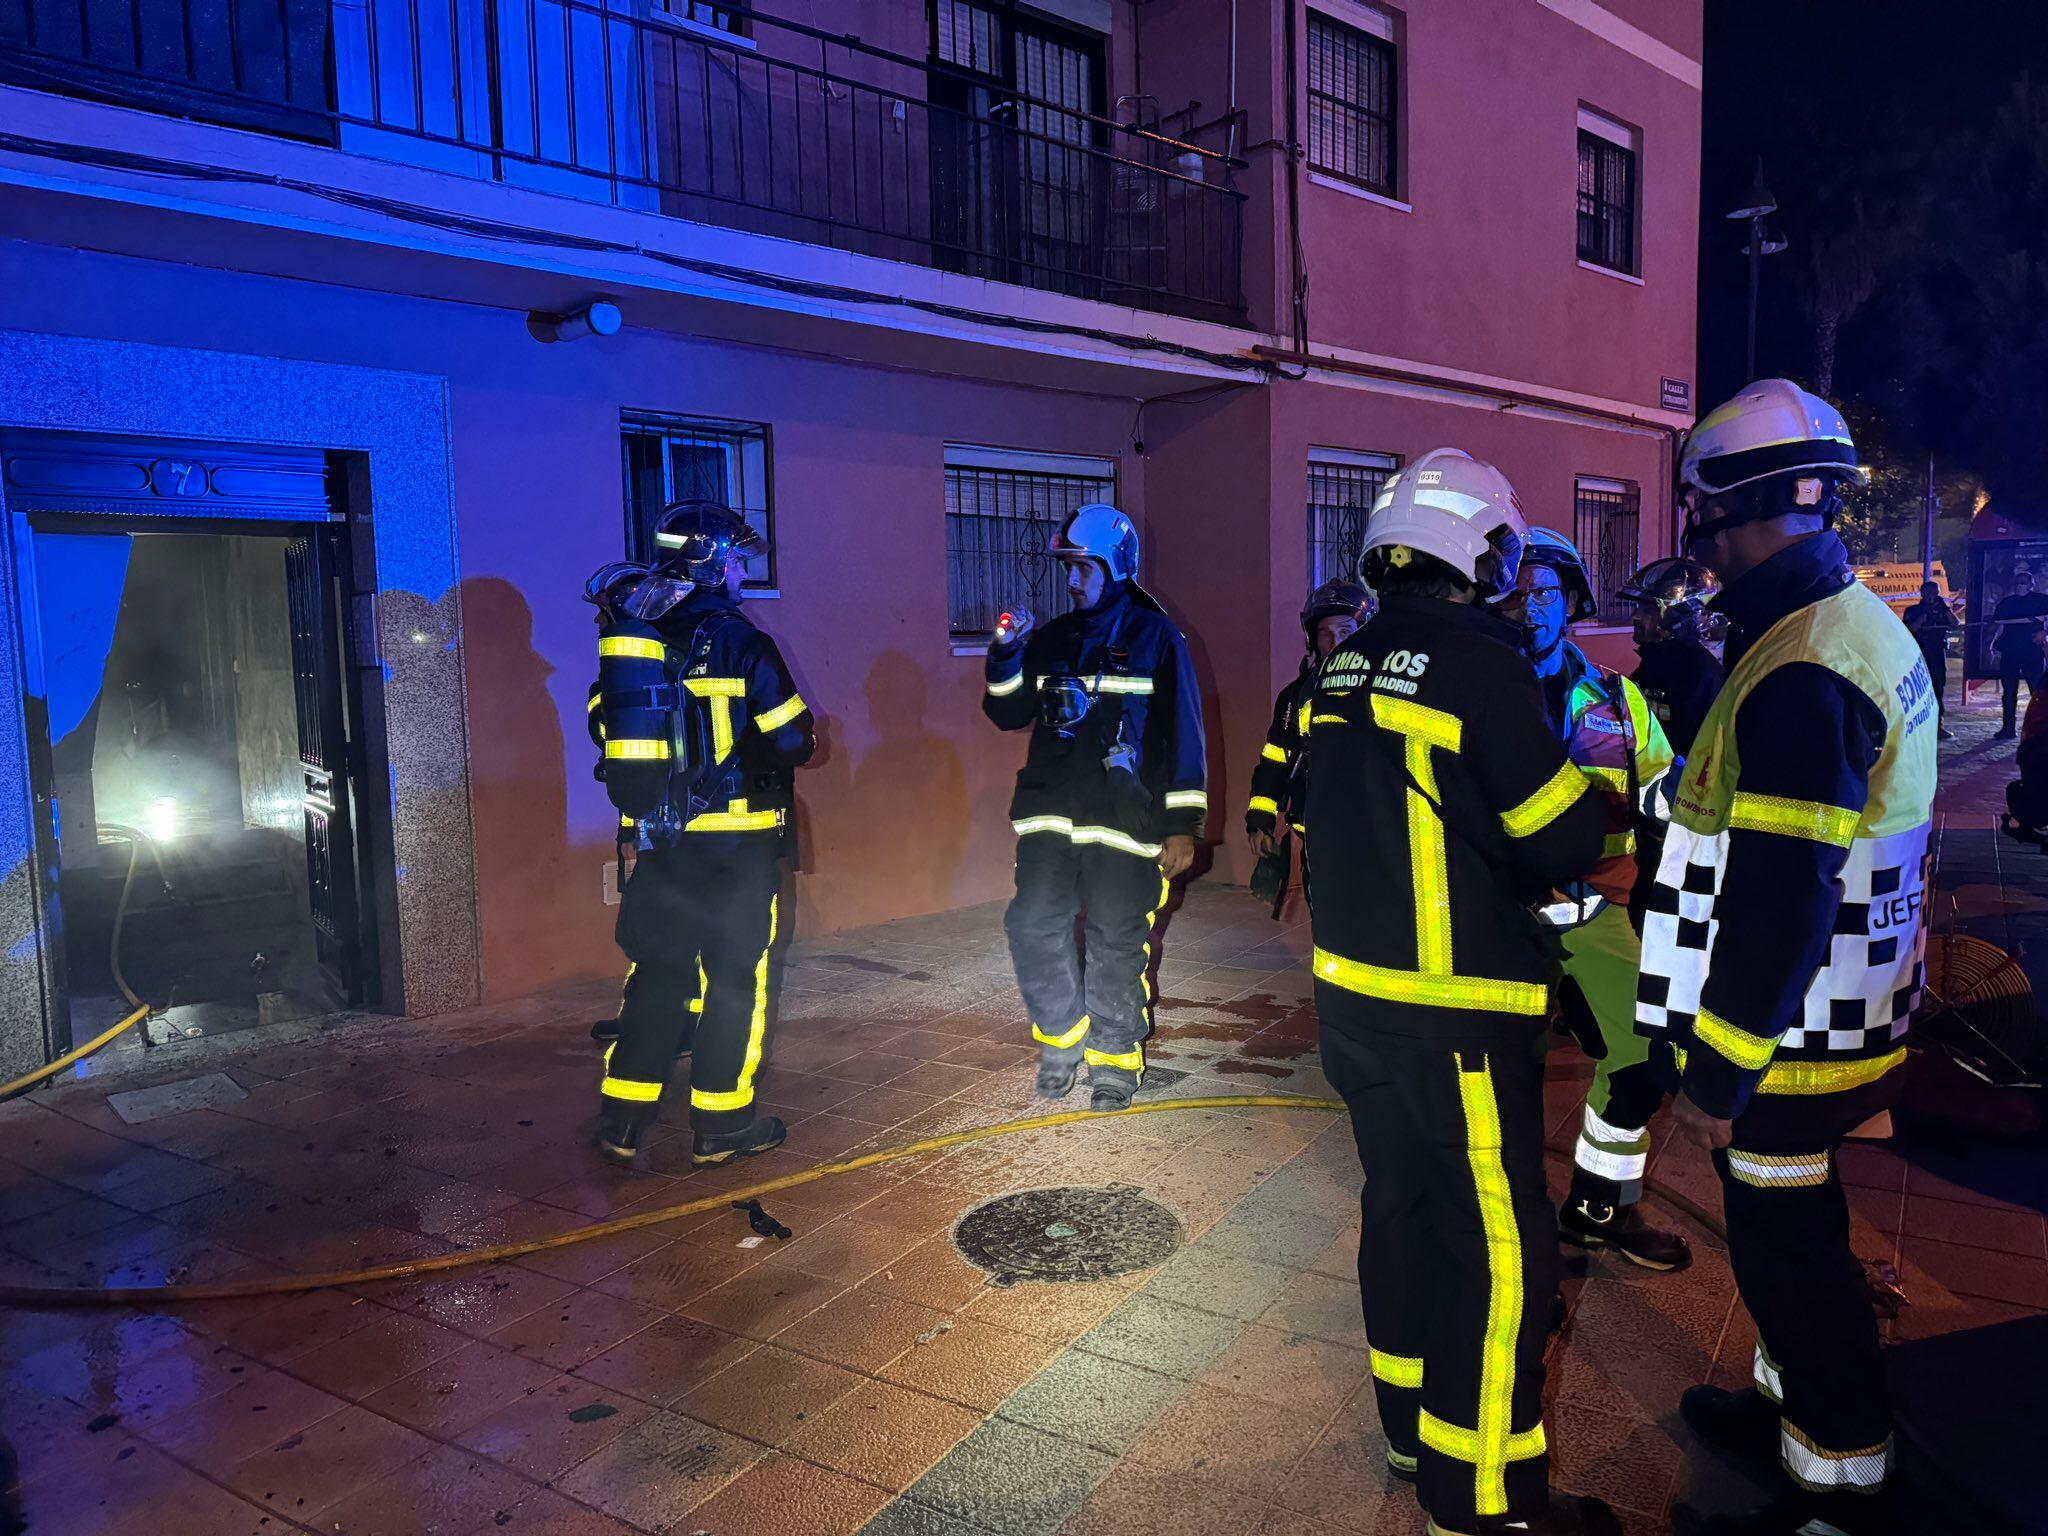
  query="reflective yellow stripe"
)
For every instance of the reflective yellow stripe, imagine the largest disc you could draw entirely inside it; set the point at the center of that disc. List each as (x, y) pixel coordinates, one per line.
(1425, 728)
(781, 714)
(1065, 1040)
(1302, 720)
(1615, 779)
(1187, 800)
(1814, 1077)
(743, 1094)
(1396, 1370)
(1122, 685)
(1273, 754)
(1436, 991)
(721, 729)
(1109, 837)
(641, 750)
(735, 821)
(1463, 1444)
(632, 645)
(633, 1093)
(1557, 796)
(1738, 1045)
(1765, 1172)
(1618, 845)
(1504, 1286)
(1132, 1060)
(1006, 687)
(1817, 823)
(1265, 803)
(596, 703)
(717, 687)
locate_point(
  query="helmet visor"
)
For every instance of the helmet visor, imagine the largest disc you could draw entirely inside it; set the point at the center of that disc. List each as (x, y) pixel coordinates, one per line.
(1497, 569)
(656, 595)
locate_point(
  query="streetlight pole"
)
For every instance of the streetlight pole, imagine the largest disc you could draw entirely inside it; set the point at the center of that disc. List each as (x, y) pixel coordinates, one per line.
(1757, 204)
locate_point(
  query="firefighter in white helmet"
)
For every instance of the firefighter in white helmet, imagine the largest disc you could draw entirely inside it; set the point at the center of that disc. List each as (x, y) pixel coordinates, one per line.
(1442, 804)
(1784, 934)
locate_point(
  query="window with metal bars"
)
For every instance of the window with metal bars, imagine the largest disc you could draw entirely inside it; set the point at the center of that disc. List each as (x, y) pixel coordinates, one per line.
(720, 18)
(688, 458)
(1341, 489)
(1607, 202)
(1607, 518)
(1352, 87)
(1003, 511)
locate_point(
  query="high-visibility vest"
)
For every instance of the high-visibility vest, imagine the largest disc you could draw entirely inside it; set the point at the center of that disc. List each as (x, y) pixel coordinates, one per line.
(1859, 1003)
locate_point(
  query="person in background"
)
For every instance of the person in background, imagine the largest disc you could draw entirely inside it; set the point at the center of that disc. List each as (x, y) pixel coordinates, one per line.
(1930, 621)
(2016, 636)
(1332, 612)
(1674, 627)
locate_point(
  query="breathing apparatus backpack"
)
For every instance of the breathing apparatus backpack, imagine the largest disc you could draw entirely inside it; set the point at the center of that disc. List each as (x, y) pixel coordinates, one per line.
(655, 736)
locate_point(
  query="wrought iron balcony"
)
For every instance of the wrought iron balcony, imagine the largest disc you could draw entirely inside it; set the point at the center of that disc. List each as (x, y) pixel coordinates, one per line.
(643, 107)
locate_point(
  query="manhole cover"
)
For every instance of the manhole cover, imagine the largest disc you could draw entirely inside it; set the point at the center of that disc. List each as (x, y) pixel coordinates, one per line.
(1067, 1234)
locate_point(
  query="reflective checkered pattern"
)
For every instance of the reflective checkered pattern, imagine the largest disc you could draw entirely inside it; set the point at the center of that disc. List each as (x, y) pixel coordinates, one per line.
(1858, 1003)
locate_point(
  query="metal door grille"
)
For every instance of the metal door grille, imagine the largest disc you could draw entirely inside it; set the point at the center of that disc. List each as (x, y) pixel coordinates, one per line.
(1606, 527)
(999, 525)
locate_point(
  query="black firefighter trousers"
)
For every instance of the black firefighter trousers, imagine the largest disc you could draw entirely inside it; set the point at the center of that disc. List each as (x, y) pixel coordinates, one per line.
(1095, 1009)
(1457, 1264)
(696, 922)
(1817, 1353)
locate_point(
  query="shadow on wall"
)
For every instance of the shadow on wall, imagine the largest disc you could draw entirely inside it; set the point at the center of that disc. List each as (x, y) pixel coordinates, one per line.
(885, 834)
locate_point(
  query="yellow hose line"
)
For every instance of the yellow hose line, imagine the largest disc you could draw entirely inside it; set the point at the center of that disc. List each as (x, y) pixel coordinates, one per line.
(9, 1090)
(285, 1285)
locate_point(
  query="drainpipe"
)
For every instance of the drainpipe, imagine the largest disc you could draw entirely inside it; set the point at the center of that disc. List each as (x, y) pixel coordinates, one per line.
(1230, 100)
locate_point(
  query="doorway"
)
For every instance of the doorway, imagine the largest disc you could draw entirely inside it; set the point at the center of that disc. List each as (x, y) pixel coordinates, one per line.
(196, 757)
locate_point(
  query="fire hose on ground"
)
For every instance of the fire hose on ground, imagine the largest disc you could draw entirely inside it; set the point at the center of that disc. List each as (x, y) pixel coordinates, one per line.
(285, 1285)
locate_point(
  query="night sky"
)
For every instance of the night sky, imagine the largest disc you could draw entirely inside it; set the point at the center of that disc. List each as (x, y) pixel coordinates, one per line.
(1887, 72)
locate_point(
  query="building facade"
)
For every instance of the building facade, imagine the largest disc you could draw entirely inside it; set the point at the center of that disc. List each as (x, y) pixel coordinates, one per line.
(309, 433)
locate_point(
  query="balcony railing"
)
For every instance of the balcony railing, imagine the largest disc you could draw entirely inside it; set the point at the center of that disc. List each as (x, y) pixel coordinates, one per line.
(623, 103)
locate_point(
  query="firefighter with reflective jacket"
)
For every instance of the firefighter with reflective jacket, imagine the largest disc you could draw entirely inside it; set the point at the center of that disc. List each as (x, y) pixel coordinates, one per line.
(1785, 931)
(1108, 804)
(698, 915)
(1675, 670)
(1613, 738)
(1437, 784)
(1332, 612)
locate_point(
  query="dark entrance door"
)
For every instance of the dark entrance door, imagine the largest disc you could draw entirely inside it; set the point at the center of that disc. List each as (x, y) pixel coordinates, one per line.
(327, 758)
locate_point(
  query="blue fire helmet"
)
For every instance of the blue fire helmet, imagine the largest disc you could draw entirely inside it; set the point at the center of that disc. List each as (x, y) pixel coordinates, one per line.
(1099, 532)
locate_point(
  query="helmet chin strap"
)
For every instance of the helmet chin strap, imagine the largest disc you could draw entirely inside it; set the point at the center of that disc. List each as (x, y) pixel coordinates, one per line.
(1546, 652)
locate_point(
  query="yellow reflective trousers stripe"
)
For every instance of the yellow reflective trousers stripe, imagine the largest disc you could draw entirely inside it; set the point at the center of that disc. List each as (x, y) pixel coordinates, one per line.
(1395, 1370)
(1065, 1039)
(1504, 1290)
(743, 1093)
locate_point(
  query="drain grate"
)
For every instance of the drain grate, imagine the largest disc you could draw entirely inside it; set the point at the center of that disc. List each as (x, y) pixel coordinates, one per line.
(1067, 1234)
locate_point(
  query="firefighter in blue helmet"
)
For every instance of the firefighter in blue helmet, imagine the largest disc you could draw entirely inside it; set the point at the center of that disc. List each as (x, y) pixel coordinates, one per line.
(1440, 791)
(1784, 935)
(1613, 738)
(1108, 806)
(699, 744)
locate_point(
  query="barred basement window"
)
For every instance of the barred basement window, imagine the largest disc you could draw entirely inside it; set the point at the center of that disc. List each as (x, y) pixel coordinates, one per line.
(685, 458)
(1606, 520)
(1341, 488)
(1352, 89)
(1003, 511)
(1607, 193)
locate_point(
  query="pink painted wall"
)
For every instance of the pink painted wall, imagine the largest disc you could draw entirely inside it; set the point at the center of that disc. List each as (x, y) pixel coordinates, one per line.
(904, 812)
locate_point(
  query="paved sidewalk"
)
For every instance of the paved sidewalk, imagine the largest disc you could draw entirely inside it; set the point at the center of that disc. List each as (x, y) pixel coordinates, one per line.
(861, 1375)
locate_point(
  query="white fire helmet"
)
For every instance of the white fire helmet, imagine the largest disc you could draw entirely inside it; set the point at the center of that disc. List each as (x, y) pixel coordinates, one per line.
(1099, 531)
(1455, 508)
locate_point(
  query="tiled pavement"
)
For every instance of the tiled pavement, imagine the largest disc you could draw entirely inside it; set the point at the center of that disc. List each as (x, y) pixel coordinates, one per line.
(861, 1375)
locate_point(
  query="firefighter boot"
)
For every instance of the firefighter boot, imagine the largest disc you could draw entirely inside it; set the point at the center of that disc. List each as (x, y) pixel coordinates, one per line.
(1111, 1088)
(1743, 1423)
(1806, 1514)
(1592, 1223)
(1569, 1514)
(763, 1135)
(1056, 1075)
(621, 1128)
